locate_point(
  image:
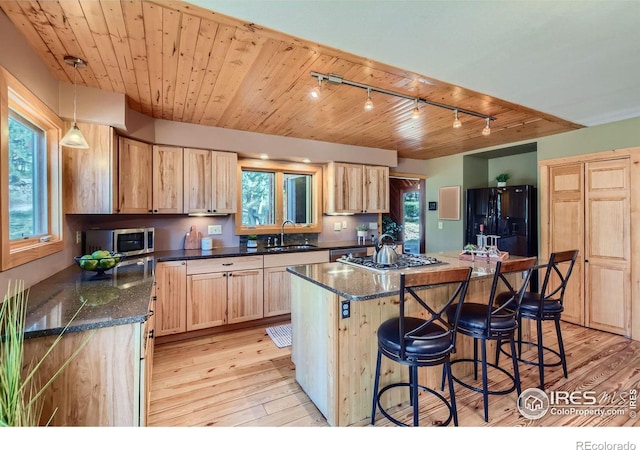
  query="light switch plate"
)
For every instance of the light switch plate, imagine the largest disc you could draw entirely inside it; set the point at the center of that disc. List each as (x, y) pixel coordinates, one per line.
(439, 225)
(215, 229)
(78, 237)
(344, 224)
(337, 226)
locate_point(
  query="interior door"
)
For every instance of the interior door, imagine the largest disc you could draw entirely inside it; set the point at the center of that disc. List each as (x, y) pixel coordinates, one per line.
(607, 250)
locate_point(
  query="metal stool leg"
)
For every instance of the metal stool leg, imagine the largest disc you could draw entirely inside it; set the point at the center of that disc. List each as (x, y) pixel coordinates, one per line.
(452, 395)
(485, 381)
(475, 358)
(563, 359)
(375, 389)
(414, 393)
(540, 354)
(516, 370)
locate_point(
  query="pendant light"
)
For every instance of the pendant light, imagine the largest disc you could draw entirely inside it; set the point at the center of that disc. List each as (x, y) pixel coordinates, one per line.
(74, 137)
(487, 129)
(456, 121)
(368, 105)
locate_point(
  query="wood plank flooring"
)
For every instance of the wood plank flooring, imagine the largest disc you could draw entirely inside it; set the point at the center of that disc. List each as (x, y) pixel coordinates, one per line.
(241, 378)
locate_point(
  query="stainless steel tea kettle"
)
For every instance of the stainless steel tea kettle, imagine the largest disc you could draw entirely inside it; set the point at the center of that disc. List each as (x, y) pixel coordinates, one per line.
(385, 253)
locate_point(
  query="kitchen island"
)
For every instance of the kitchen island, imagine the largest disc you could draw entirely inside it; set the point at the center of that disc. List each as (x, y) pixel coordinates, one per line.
(336, 310)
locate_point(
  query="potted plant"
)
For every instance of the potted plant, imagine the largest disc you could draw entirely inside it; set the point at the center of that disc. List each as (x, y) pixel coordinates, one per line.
(252, 240)
(502, 179)
(362, 230)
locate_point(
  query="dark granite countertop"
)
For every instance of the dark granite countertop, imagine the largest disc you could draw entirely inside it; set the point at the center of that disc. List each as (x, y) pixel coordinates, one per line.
(355, 283)
(119, 297)
(178, 255)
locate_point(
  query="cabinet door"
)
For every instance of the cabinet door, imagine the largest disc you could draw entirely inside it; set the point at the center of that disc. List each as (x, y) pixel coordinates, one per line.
(343, 188)
(167, 180)
(277, 292)
(608, 246)
(244, 295)
(206, 300)
(566, 231)
(376, 189)
(197, 180)
(134, 177)
(89, 176)
(171, 292)
(225, 174)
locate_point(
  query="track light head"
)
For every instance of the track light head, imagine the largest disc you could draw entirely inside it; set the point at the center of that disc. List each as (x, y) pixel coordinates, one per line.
(456, 121)
(415, 114)
(368, 105)
(487, 128)
(315, 92)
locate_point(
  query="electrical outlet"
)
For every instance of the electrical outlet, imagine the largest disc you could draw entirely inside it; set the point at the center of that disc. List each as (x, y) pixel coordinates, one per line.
(337, 226)
(344, 224)
(439, 225)
(345, 309)
(215, 229)
(78, 237)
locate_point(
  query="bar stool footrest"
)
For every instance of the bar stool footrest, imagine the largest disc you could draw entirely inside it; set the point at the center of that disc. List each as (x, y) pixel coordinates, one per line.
(480, 390)
(531, 362)
(421, 387)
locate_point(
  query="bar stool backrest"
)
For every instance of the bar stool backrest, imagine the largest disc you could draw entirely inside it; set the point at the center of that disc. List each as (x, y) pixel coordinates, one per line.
(555, 274)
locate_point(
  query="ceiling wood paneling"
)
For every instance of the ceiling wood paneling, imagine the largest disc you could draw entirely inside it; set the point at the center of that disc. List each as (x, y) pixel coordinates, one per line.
(178, 62)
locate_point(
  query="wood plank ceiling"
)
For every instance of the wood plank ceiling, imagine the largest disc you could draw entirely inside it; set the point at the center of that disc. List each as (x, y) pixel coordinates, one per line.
(176, 61)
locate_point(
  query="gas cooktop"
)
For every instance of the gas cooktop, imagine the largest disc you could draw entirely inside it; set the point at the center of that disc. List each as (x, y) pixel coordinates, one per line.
(405, 261)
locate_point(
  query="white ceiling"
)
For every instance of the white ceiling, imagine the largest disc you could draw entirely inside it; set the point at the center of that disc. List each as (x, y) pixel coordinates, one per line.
(577, 60)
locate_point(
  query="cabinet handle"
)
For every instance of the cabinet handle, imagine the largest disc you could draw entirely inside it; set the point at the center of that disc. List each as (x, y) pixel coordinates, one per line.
(151, 333)
(230, 274)
(154, 298)
(150, 210)
(224, 274)
(208, 210)
(227, 264)
(182, 263)
(151, 313)
(155, 210)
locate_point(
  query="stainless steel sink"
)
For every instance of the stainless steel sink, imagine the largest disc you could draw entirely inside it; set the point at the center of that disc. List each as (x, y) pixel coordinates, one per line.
(290, 248)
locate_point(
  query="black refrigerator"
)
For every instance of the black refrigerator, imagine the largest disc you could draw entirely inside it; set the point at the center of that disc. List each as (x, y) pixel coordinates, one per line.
(508, 212)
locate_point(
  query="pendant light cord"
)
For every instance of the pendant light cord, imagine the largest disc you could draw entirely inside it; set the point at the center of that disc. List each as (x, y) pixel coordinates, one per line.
(75, 72)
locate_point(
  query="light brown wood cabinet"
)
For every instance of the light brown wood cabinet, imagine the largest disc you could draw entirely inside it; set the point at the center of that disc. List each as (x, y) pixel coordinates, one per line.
(210, 179)
(89, 181)
(171, 292)
(587, 205)
(134, 177)
(277, 281)
(355, 188)
(167, 180)
(223, 291)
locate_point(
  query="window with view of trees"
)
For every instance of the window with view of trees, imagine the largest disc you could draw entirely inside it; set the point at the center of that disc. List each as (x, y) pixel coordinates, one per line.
(30, 170)
(28, 214)
(274, 192)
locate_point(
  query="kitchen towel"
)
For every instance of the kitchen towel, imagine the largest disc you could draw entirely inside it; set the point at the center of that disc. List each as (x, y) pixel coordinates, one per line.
(280, 335)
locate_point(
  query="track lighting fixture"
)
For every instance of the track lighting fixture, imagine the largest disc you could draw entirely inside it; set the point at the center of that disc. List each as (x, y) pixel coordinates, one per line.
(456, 121)
(315, 92)
(337, 79)
(415, 114)
(74, 137)
(487, 129)
(368, 105)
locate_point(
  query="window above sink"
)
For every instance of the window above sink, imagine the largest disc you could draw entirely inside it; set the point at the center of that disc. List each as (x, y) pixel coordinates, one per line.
(273, 192)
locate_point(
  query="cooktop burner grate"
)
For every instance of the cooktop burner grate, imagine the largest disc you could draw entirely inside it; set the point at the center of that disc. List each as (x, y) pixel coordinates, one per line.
(404, 261)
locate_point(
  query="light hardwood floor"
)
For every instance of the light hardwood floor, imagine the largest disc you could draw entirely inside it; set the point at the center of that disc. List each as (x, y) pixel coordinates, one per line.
(241, 378)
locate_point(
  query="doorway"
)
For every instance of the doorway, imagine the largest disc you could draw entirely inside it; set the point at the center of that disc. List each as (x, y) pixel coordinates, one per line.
(405, 221)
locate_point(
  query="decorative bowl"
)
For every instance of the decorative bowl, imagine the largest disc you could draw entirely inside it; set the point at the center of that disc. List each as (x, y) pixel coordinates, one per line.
(99, 263)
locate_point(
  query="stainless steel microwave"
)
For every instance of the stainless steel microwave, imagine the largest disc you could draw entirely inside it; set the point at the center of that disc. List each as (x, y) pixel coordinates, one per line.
(130, 241)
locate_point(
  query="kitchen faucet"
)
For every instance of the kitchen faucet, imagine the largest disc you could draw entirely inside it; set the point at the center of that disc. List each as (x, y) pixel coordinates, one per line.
(282, 230)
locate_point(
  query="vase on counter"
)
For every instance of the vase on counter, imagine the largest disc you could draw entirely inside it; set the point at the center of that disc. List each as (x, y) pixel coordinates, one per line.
(502, 183)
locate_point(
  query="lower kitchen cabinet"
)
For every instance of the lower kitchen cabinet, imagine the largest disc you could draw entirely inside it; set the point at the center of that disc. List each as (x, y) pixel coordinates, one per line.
(223, 290)
(171, 292)
(277, 296)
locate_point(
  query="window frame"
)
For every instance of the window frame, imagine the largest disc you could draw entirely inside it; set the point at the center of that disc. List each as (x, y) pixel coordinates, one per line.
(16, 96)
(280, 168)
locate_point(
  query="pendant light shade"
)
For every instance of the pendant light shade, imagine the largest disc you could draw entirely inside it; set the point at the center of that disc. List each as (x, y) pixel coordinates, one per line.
(456, 121)
(74, 137)
(415, 114)
(486, 131)
(368, 105)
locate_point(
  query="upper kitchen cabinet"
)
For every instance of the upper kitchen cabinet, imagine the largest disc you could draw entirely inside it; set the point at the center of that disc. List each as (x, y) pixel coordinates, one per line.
(149, 178)
(89, 181)
(209, 181)
(356, 188)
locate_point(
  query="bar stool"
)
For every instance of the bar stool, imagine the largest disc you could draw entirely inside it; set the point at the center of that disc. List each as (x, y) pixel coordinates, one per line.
(490, 321)
(546, 305)
(418, 342)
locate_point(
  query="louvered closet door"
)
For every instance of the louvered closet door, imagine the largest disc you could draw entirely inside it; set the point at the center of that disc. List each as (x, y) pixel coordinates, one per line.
(566, 231)
(607, 226)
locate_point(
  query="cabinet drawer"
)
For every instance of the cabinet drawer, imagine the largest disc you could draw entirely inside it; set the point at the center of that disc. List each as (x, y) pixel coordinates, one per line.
(223, 264)
(295, 259)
